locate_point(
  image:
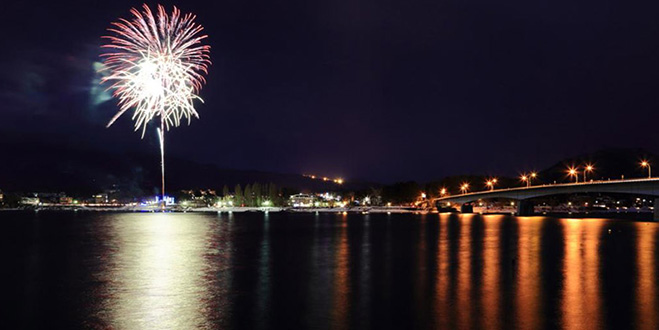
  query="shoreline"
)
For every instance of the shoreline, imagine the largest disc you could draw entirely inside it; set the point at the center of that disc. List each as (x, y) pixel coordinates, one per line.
(636, 214)
(223, 209)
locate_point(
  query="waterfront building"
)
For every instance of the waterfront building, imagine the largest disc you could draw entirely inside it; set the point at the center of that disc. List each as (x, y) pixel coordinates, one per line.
(301, 200)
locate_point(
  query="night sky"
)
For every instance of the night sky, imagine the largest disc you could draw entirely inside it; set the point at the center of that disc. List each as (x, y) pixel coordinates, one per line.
(372, 89)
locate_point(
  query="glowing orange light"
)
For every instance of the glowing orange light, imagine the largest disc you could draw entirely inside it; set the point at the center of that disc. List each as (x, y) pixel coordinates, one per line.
(645, 163)
(572, 171)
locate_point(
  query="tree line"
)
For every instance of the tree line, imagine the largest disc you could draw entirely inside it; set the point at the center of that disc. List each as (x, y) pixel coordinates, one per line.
(255, 194)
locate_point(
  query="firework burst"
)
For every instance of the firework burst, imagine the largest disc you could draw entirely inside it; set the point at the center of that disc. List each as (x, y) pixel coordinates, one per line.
(156, 65)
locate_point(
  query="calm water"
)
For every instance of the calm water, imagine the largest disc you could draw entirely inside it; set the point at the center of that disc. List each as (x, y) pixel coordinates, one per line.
(327, 271)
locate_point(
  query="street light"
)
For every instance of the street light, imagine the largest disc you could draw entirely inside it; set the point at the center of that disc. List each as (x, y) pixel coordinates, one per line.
(532, 176)
(586, 169)
(645, 163)
(527, 179)
(464, 188)
(572, 171)
(442, 192)
(490, 183)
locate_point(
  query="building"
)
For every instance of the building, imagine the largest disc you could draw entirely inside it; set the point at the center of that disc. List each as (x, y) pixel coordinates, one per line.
(66, 200)
(101, 198)
(32, 201)
(301, 200)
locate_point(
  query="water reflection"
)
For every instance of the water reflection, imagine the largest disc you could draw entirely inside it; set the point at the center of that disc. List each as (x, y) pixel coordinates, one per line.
(333, 271)
(264, 277)
(158, 274)
(341, 288)
(646, 292)
(581, 297)
(491, 272)
(463, 264)
(442, 278)
(527, 265)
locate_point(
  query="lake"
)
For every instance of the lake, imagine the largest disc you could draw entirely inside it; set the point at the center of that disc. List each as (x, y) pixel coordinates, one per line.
(326, 271)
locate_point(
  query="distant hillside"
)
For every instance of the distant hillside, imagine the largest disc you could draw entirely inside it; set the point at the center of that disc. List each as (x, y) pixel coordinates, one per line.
(608, 163)
(38, 167)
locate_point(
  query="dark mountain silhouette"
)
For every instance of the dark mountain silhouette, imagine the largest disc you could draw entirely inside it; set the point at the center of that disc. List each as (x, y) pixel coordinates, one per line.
(610, 163)
(34, 166)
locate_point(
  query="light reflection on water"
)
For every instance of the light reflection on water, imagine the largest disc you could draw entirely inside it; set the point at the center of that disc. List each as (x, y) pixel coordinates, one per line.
(647, 278)
(529, 292)
(329, 271)
(159, 272)
(581, 296)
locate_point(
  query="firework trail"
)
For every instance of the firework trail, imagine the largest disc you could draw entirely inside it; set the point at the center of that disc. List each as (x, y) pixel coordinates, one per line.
(156, 66)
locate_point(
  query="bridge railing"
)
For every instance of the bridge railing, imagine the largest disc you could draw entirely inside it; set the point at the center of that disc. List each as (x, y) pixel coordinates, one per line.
(592, 182)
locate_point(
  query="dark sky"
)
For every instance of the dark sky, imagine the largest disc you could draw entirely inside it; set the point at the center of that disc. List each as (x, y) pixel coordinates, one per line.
(374, 89)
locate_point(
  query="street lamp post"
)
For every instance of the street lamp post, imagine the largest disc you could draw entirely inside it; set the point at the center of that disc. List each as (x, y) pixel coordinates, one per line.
(490, 183)
(588, 168)
(645, 163)
(525, 178)
(572, 171)
(464, 188)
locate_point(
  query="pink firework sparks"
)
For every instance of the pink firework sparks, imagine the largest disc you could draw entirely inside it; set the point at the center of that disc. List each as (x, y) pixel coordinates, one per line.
(156, 65)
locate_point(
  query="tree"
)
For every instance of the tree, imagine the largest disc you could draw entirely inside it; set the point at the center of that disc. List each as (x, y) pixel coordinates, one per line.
(258, 197)
(401, 192)
(238, 195)
(249, 200)
(273, 195)
(225, 191)
(11, 200)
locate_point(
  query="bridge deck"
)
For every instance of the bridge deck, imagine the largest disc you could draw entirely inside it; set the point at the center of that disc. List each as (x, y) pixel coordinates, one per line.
(646, 186)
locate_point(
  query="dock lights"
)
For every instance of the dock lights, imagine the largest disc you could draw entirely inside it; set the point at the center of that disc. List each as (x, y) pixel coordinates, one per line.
(645, 163)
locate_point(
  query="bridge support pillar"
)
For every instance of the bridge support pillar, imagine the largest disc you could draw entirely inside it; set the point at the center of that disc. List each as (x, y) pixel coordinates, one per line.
(656, 209)
(467, 208)
(524, 208)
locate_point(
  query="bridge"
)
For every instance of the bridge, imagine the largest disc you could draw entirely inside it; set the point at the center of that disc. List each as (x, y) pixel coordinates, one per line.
(524, 195)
